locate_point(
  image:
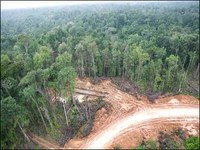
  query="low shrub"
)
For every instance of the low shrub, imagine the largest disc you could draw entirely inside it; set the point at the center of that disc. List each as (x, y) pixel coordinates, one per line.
(117, 147)
(192, 143)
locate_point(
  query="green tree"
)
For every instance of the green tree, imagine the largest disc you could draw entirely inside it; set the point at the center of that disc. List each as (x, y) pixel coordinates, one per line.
(12, 116)
(62, 48)
(43, 58)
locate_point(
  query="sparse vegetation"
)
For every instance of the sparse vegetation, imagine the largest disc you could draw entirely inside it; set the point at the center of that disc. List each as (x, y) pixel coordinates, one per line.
(117, 147)
(166, 141)
(151, 144)
(192, 143)
(170, 141)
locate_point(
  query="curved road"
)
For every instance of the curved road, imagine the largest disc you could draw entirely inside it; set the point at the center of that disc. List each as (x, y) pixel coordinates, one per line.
(115, 129)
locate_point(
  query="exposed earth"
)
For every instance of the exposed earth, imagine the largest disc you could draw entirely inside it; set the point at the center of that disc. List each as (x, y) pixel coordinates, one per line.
(128, 119)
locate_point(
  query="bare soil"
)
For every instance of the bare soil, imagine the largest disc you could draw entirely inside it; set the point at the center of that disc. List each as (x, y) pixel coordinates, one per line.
(127, 119)
(122, 104)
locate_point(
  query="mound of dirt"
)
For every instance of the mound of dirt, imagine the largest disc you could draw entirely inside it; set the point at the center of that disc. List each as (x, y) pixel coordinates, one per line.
(173, 101)
(183, 99)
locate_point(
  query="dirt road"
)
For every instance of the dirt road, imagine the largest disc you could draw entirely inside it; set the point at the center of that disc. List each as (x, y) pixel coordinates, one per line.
(42, 142)
(125, 112)
(104, 137)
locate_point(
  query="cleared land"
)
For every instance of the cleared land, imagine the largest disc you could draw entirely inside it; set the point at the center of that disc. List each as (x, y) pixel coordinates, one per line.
(125, 114)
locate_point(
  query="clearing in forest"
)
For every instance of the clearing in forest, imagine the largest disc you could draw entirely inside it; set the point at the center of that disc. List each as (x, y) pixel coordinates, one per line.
(127, 119)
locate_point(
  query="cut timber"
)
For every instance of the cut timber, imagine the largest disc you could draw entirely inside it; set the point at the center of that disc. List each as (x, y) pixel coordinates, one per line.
(87, 92)
(92, 90)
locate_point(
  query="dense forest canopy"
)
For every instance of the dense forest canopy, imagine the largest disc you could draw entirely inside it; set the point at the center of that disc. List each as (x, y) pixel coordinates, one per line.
(155, 45)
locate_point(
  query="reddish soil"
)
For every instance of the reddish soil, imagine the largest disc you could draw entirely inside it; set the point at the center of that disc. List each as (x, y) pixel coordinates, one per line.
(183, 99)
(132, 137)
(121, 105)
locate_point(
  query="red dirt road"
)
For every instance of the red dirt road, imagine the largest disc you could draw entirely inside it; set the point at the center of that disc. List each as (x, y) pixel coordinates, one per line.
(125, 113)
(103, 138)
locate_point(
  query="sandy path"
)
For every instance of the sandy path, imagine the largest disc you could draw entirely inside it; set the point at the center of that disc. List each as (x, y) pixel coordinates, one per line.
(115, 129)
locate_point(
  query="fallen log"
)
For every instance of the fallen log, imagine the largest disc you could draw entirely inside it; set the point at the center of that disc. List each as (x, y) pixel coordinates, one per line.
(92, 90)
(86, 92)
